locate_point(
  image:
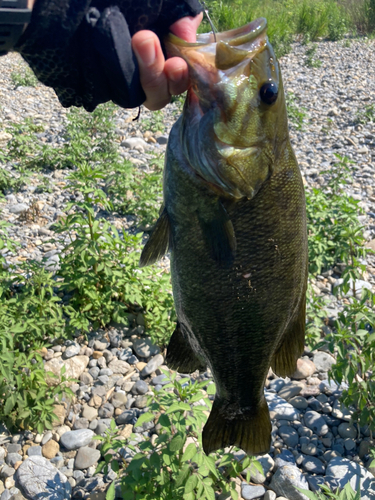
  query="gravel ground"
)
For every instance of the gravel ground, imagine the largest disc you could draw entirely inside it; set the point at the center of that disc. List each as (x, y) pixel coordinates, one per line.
(313, 440)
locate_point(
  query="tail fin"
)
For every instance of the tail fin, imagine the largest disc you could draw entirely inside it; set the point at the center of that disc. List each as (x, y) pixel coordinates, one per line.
(250, 430)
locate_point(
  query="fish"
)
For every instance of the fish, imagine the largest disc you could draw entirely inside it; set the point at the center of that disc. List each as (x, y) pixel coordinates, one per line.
(234, 221)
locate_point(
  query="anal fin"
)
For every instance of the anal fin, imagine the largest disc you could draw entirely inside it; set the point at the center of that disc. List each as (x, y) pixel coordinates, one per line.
(249, 429)
(159, 242)
(284, 362)
(180, 355)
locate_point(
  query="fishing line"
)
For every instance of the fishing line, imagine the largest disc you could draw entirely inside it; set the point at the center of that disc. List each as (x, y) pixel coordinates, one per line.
(205, 8)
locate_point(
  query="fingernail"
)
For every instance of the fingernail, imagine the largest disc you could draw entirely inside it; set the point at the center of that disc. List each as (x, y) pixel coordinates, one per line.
(146, 51)
(176, 75)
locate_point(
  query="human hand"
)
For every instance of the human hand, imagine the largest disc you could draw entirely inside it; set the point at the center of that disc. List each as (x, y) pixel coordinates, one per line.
(160, 78)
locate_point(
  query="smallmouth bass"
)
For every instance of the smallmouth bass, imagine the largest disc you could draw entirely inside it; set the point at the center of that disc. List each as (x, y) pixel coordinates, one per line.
(234, 221)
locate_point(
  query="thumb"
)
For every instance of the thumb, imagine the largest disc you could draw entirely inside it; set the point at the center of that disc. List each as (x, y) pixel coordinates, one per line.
(186, 28)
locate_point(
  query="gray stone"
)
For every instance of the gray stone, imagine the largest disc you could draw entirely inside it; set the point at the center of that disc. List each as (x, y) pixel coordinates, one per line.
(323, 361)
(285, 458)
(103, 379)
(141, 402)
(38, 479)
(47, 437)
(73, 367)
(280, 408)
(100, 345)
(89, 413)
(106, 371)
(81, 423)
(118, 366)
(76, 439)
(266, 462)
(360, 285)
(34, 451)
(94, 372)
(316, 423)
(152, 365)
(72, 350)
(6, 495)
(277, 384)
(12, 458)
(106, 411)
(160, 380)
(114, 338)
(162, 139)
(13, 448)
(286, 479)
(135, 143)
(269, 495)
(298, 402)
(341, 412)
(347, 430)
(349, 444)
(144, 348)
(305, 368)
(250, 492)
(288, 435)
(308, 448)
(118, 399)
(86, 378)
(313, 465)
(140, 387)
(18, 208)
(289, 391)
(86, 457)
(344, 471)
(315, 482)
(126, 417)
(6, 471)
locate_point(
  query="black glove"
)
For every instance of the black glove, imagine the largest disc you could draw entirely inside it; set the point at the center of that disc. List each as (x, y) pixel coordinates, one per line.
(83, 49)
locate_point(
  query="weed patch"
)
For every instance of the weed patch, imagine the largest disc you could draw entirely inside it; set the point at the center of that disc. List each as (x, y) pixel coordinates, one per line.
(174, 465)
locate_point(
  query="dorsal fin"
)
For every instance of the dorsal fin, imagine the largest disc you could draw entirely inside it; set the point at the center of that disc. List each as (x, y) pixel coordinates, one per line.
(159, 242)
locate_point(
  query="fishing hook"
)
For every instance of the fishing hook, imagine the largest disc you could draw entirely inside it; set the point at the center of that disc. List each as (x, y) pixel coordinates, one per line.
(205, 8)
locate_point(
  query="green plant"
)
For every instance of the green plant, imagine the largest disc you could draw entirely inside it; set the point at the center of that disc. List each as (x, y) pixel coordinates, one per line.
(24, 78)
(88, 137)
(332, 219)
(100, 266)
(310, 60)
(155, 123)
(174, 466)
(296, 113)
(354, 347)
(316, 317)
(321, 19)
(26, 399)
(346, 493)
(366, 115)
(29, 306)
(136, 192)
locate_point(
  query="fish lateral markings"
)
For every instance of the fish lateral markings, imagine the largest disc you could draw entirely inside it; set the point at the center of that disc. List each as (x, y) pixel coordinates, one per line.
(234, 221)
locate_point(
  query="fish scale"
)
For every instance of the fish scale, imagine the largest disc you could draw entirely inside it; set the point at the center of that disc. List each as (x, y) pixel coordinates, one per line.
(238, 262)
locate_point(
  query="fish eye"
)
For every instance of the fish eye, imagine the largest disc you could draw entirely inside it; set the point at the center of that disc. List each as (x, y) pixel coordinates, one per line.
(268, 92)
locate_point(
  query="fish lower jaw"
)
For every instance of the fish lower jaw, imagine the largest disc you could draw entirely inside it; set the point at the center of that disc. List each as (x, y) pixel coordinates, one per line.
(226, 151)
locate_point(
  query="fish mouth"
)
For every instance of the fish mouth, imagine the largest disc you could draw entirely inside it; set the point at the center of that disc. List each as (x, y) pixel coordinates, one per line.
(221, 50)
(214, 137)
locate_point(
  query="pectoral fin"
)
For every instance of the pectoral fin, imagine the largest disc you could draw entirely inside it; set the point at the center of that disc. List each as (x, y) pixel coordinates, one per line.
(159, 242)
(180, 355)
(219, 235)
